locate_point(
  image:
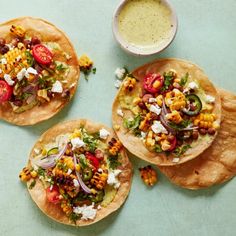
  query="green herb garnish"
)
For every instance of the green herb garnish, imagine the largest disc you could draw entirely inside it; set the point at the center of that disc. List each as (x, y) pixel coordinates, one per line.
(184, 79)
(74, 217)
(114, 162)
(157, 148)
(32, 184)
(182, 125)
(168, 79)
(83, 161)
(41, 172)
(181, 150)
(132, 123)
(29, 58)
(94, 70)
(61, 67)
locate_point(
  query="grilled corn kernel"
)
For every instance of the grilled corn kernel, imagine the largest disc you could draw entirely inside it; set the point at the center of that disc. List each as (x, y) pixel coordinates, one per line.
(136, 100)
(204, 120)
(159, 100)
(34, 174)
(175, 117)
(165, 145)
(25, 174)
(145, 123)
(85, 62)
(99, 179)
(148, 175)
(17, 31)
(114, 146)
(66, 207)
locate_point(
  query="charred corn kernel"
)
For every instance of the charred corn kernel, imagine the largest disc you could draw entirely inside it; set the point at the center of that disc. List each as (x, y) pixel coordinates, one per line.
(159, 100)
(129, 83)
(21, 46)
(163, 136)
(148, 175)
(85, 62)
(196, 122)
(77, 167)
(66, 207)
(34, 174)
(75, 134)
(165, 145)
(43, 94)
(99, 180)
(17, 31)
(177, 105)
(69, 163)
(150, 142)
(25, 174)
(175, 117)
(16, 60)
(204, 120)
(114, 146)
(145, 123)
(156, 84)
(136, 100)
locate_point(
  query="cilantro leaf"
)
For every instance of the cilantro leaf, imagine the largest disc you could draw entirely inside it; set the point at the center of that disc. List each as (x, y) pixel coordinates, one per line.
(32, 184)
(157, 148)
(184, 79)
(132, 123)
(183, 124)
(168, 79)
(114, 162)
(181, 150)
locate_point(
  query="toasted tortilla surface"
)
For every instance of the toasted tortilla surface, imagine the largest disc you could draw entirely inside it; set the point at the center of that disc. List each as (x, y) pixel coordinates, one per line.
(53, 211)
(47, 32)
(135, 144)
(218, 163)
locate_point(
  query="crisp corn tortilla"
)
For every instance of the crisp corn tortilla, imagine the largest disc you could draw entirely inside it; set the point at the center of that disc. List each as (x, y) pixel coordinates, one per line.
(218, 163)
(47, 32)
(134, 144)
(54, 211)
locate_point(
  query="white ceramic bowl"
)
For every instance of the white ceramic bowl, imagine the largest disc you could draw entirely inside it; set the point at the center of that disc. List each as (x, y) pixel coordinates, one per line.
(141, 51)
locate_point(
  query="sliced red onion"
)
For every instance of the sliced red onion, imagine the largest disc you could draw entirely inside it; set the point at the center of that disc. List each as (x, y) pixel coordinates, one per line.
(31, 98)
(82, 184)
(49, 161)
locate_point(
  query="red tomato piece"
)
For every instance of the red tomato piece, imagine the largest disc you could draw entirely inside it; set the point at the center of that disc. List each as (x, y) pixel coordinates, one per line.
(42, 54)
(173, 144)
(153, 82)
(5, 91)
(52, 194)
(93, 160)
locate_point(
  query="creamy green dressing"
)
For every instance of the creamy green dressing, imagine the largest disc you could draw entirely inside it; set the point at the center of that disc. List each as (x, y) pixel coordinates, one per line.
(145, 22)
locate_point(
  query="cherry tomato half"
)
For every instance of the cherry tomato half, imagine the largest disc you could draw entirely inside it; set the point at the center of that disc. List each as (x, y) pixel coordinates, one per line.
(5, 91)
(93, 160)
(173, 144)
(42, 54)
(153, 82)
(52, 194)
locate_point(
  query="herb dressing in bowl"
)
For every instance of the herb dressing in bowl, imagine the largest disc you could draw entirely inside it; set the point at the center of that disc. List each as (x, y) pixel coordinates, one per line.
(144, 27)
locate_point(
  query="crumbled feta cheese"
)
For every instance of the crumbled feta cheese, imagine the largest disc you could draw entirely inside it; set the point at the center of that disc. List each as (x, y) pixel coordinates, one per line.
(151, 100)
(155, 109)
(193, 85)
(120, 72)
(3, 61)
(103, 133)
(210, 99)
(18, 58)
(37, 151)
(87, 212)
(57, 87)
(158, 128)
(112, 178)
(120, 112)
(77, 143)
(75, 182)
(69, 172)
(118, 83)
(175, 160)
(21, 74)
(31, 70)
(8, 79)
(143, 135)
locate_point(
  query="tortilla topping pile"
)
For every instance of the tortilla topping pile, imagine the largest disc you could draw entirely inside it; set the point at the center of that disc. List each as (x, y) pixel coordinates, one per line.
(29, 74)
(79, 171)
(170, 114)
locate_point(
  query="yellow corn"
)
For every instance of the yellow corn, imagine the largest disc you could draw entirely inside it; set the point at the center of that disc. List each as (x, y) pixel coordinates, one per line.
(16, 60)
(145, 123)
(17, 31)
(129, 83)
(100, 179)
(114, 146)
(136, 100)
(25, 174)
(85, 62)
(165, 145)
(34, 174)
(159, 100)
(204, 120)
(174, 116)
(148, 175)
(150, 142)
(69, 162)
(66, 207)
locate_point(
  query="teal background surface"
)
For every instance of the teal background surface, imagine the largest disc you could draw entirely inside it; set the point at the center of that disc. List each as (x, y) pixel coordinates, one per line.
(206, 36)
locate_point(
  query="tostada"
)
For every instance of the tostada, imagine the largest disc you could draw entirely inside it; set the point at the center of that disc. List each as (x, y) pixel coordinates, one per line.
(167, 112)
(78, 172)
(39, 70)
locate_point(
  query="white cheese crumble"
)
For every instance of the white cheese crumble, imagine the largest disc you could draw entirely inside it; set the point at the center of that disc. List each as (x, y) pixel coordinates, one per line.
(75, 182)
(31, 70)
(112, 178)
(77, 143)
(158, 128)
(3, 61)
(69, 172)
(21, 74)
(87, 212)
(103, 133)
(8, 79)
(210, 99)
(57, 87)
(37, 151)
(151, 100)
(120, 72)
(155, 109)
(143, 134)
(175, 160)
(193, 85)
(117, 83)
(120, 112)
